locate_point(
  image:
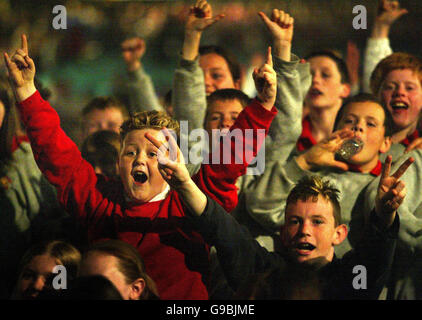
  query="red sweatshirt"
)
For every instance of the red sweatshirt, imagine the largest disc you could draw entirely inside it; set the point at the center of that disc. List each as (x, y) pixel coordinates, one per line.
(175, 256)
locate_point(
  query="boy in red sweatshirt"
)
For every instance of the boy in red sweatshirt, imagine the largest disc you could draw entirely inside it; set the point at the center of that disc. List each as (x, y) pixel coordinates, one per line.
(140, 208)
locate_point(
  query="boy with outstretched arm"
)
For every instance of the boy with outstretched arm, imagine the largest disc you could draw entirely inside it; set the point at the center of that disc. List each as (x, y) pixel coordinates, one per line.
(313, 227)
(140, 208)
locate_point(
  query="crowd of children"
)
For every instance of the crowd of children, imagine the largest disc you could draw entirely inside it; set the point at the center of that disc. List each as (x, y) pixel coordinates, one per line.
(130, 217)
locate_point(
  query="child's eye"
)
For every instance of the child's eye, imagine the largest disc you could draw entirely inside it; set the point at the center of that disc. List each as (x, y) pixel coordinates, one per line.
(293, 222)
(217, 76)
(152, 154)
(410, 88)
(348, 121)
(130, 153)
(326, 75)
(318, 221)
(371, 124)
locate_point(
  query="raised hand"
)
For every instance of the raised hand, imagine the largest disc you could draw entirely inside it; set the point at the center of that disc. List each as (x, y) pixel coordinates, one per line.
(200, 17)
(170, 160)
(323, 153)
(280, 27)
(21, 71)
(132, 51)
(266, 82)
(391, 191)
(388, 12)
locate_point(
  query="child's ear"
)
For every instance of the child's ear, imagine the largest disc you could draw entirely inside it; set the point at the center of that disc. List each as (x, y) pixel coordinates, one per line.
(340, 234)
(345, 90)
(386, 144)
(136, 289)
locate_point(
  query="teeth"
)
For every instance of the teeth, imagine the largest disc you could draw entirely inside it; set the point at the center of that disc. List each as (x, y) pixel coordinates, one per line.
(399, 105)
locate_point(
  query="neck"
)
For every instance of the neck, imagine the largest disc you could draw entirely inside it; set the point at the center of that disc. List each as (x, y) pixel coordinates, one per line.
(322, 121)
(369, 166)
(401, 134)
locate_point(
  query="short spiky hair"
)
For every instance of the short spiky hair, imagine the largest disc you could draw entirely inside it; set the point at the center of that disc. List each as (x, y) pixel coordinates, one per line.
(149, 120)
(398, 60)
(310, 187)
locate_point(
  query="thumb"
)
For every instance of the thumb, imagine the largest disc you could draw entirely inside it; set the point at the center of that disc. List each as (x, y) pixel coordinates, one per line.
(265, 19)
(340, 165)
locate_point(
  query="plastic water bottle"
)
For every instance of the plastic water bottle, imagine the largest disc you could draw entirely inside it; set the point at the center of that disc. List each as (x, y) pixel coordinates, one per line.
(349, 148)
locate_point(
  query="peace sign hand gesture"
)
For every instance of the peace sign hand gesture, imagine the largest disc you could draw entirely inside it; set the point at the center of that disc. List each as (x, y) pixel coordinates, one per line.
(391, 191)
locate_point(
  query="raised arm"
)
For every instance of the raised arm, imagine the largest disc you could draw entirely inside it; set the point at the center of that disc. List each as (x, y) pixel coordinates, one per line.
(293, 81)
(138, 84)
(188, 96)
(378, 45)
(218, 178)
(55, 153)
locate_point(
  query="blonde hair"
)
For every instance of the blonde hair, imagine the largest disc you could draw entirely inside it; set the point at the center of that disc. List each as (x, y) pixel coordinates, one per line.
(149, 120)
(310, 187)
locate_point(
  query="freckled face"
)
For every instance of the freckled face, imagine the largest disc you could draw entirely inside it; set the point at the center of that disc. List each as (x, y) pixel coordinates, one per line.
(402, 94)
(139, 156)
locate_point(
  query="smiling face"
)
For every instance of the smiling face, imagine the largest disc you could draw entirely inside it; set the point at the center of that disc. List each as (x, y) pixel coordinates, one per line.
(216, 73)
(366, 120)
(326, 90)
(138, 166)
(309, 231)
(402, 94)
(36, 276)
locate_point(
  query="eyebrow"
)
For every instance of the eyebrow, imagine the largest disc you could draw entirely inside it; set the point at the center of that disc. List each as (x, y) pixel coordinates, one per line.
(366, 117)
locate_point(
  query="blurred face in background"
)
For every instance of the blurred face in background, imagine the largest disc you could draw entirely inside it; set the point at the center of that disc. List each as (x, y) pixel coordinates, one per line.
(216, 73)
(108, 119)
(36, 276)
(327, 90)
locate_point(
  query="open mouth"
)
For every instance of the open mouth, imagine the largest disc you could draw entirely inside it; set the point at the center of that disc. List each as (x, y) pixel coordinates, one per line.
(399, 106)
(140, 177)
(304, 248)
(314, 92)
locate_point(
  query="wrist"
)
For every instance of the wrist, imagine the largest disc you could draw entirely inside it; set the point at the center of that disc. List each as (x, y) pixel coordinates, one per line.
(380, 30)
(24, 92)
(302, 162)
(282, 50)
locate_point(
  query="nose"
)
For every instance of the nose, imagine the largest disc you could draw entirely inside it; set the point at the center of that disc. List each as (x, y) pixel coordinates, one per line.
(38, 283)
(399, 91)
(226, 122)
(140, 159)
(208, 81)
(305, 229)
(316, 78)
(357, 127)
